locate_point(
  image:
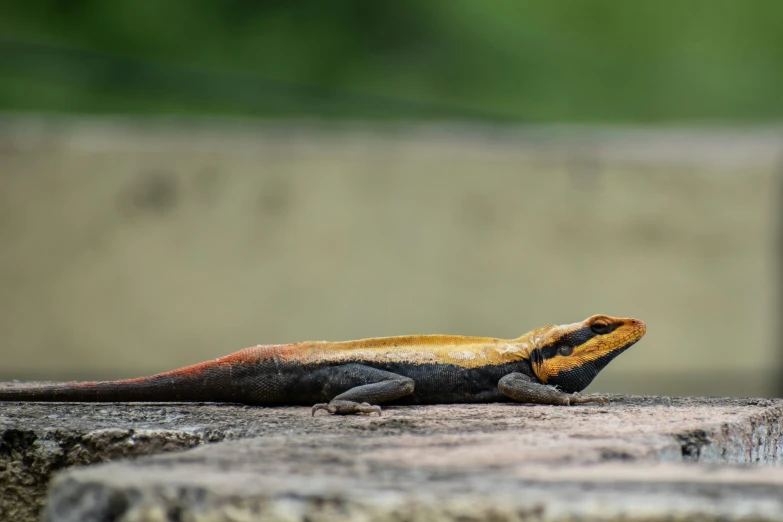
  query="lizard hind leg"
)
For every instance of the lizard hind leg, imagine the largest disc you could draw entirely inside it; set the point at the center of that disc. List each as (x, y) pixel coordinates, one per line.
(361, 388)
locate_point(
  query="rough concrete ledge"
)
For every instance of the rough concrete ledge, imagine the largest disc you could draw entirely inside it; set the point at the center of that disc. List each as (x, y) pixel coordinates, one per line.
(218, 487)
(39, 439)
(507, 461)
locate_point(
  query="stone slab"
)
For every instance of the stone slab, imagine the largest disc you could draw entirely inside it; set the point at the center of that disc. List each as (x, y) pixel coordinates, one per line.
(661, 456)
(291, 480)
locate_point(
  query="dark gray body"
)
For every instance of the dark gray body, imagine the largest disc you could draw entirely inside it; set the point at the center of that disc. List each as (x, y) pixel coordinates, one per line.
(351, 387)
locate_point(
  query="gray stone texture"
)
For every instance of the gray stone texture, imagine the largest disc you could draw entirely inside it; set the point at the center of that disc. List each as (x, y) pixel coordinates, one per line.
(641, 458)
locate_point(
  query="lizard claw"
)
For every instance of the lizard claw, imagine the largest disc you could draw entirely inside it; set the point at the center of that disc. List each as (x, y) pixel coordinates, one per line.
(322, 406)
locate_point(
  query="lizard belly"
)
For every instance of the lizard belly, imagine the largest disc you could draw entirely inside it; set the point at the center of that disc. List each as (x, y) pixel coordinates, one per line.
(271, 383)
(446, 383)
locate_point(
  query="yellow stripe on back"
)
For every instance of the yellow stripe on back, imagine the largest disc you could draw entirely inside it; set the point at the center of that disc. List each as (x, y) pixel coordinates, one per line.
(468, 352)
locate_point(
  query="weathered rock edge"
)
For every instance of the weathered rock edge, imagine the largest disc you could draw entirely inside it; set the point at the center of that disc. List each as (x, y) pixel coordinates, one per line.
(484, 440)
(666, 492)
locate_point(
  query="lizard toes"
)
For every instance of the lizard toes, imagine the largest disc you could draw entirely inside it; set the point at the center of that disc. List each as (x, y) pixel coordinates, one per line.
(368, 408)
(343, 407)
(601, 401)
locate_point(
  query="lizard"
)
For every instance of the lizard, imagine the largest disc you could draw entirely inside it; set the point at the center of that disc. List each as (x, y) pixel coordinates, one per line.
(548, 365)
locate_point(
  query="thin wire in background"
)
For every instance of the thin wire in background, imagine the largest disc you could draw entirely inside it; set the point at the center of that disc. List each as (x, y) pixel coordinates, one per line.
(210, 90)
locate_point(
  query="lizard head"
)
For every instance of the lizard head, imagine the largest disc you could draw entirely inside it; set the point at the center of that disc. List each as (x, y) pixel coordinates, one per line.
(570, 356)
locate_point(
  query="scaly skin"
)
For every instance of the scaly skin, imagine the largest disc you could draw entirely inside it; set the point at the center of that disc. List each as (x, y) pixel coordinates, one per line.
(548, 365)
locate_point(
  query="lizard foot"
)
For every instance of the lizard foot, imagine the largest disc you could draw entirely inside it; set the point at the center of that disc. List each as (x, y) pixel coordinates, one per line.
(347, 408)
(597, 399)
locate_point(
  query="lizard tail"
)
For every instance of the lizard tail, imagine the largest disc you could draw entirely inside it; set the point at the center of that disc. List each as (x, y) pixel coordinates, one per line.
(149, 389)
(210, 381)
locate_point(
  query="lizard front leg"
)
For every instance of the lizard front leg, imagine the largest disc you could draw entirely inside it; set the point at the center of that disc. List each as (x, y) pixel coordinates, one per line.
(522, 388)
(360, 388)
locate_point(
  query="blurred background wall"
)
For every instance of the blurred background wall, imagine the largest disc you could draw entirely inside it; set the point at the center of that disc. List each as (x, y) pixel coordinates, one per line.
(182, 179)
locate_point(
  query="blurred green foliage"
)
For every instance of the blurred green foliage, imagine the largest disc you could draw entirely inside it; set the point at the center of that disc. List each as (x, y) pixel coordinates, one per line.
(556, 60)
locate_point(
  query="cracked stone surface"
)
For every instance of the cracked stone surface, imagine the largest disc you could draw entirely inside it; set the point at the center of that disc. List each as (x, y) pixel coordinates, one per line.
(654, 456)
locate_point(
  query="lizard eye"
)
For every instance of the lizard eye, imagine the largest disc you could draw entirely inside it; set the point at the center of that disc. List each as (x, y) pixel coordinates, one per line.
(602, 328)
(565, 350)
